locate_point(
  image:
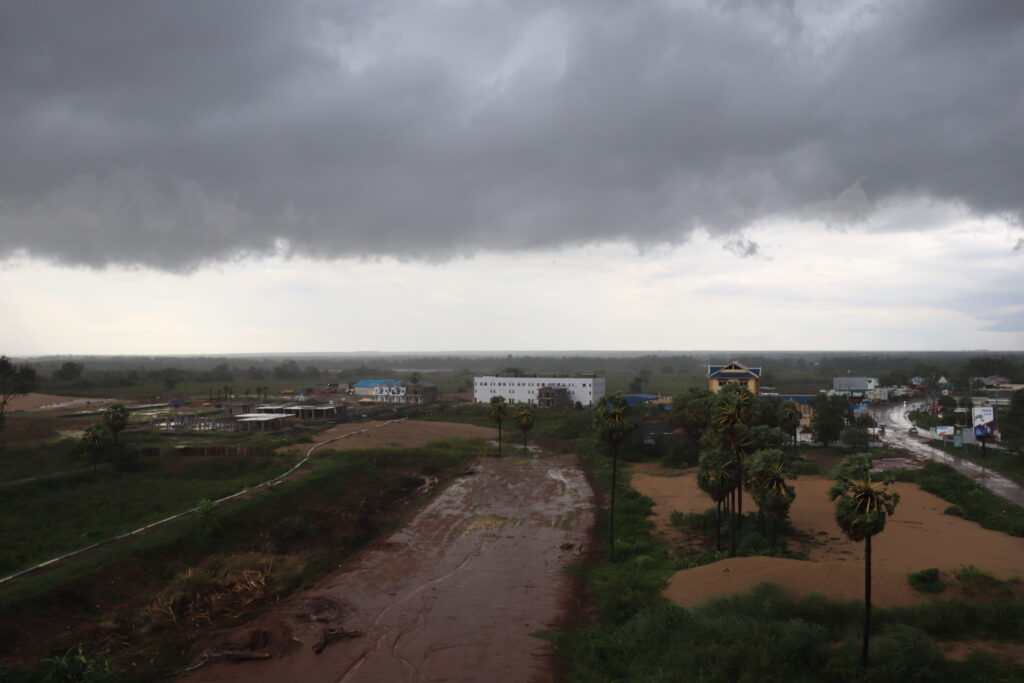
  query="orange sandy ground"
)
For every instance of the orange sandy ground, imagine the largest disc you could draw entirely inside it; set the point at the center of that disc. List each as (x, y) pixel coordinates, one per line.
(52, 402)
(918, 536)
(404, 433)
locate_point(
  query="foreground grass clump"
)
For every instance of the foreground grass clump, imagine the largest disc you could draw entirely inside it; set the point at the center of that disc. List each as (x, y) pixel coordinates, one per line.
(970, 499)
(760, 635)
(927, 581)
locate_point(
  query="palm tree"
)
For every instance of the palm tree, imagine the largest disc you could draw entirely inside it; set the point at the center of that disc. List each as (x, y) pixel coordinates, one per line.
(92, 441)
(116, 419)
(789, 419)
(524, 421)
(732, 418)
(499, 410)
(768, 472)
(716, 477)
(862, 508)
(614, 425)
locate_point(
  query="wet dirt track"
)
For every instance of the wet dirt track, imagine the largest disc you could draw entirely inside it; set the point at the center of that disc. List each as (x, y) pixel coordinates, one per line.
(454, 596)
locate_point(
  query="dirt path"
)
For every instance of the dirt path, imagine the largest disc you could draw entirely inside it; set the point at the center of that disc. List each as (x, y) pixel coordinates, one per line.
(454, 596)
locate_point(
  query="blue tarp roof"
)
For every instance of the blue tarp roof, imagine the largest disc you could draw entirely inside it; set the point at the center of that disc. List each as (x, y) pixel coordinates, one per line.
(633, 399)
(375, 382)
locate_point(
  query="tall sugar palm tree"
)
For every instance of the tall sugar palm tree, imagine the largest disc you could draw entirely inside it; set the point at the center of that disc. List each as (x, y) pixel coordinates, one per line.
(115, 418)
(768, 471)
(524, 421)
(614, 424)
(717, 477)
(499, 410)
(732, 418)
(863, 505)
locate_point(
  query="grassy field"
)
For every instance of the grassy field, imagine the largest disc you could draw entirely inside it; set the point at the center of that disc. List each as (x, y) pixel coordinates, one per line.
(1007, 462)
(42, 519)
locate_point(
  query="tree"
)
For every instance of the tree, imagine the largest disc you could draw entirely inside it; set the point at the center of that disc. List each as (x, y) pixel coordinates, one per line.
(862, 508)
(613, 423)
(1013, 419)
(115, 418)
(14, 381)
(829, 417)
(524, 422)
(94, 441)
(499, 410)
(69, 371)
(717, 477)
(768, 471)
(732, 419)
(789, 419)
(415, 378)
(855, 437)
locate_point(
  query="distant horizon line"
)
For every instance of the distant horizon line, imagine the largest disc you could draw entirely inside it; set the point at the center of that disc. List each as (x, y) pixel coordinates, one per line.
(535, 353)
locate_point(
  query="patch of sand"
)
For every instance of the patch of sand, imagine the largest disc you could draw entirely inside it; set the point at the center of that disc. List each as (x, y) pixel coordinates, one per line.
(918, 536)
(405, 433)
(961, 650)
(35, 402)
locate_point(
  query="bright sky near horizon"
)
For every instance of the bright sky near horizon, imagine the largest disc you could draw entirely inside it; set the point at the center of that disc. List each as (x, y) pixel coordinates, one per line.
(254, 176)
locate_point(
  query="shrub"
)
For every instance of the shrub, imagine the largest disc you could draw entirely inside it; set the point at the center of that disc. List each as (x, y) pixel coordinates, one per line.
(954, 510)
(927, 581)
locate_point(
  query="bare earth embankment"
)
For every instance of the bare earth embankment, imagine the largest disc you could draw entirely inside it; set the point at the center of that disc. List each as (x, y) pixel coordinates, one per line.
(42, 402)
(377, 434)
(917, 537)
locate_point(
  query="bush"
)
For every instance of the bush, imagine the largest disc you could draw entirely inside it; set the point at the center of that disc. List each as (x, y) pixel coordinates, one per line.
(954, 510)
(927, 581)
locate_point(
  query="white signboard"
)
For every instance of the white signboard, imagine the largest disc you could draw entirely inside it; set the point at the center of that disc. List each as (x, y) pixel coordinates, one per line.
(984, 421)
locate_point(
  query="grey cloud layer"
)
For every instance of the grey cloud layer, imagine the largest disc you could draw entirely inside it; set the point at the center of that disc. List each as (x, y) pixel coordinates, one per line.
(171, 134)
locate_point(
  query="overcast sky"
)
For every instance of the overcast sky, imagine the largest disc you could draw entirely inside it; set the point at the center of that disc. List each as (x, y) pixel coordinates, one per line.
(259, 176)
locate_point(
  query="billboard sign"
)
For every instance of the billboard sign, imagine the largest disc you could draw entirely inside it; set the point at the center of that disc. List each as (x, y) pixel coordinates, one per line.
(944, 431)
(984, 421)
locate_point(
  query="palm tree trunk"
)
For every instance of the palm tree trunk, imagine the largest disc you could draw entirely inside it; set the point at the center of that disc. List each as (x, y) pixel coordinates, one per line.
(718, 526)
(867, 604)
(732, 551)
(611, 511)
(524, 444)
(499, 438)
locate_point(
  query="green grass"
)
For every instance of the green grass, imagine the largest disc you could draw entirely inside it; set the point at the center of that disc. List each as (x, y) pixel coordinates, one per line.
(971, 500)
(43, 519)
(1006, 462)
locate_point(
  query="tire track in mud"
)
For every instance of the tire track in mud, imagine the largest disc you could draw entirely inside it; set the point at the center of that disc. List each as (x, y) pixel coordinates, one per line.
(453, 596)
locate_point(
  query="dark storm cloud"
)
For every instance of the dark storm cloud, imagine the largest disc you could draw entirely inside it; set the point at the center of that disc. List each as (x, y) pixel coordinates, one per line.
(171, 134)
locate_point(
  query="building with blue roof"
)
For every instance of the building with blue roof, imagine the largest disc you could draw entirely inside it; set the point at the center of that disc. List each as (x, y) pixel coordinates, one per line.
(721, 376)
(364, 387)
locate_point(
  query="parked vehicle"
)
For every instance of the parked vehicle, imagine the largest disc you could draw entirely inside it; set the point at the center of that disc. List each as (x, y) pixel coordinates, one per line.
(912, 431)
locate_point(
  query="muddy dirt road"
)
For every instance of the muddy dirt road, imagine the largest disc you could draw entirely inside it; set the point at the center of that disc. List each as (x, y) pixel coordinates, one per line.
(454, 596)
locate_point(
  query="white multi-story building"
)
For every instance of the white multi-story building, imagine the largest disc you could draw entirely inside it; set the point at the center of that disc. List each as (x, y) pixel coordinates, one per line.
(583, 390)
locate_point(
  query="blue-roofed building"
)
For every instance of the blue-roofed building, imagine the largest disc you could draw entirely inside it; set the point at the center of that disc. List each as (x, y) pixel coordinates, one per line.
(637, 399)
(364, 387)
(721, 376)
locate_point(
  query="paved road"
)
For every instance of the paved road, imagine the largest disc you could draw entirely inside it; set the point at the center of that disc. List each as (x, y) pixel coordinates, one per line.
(896, 434)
